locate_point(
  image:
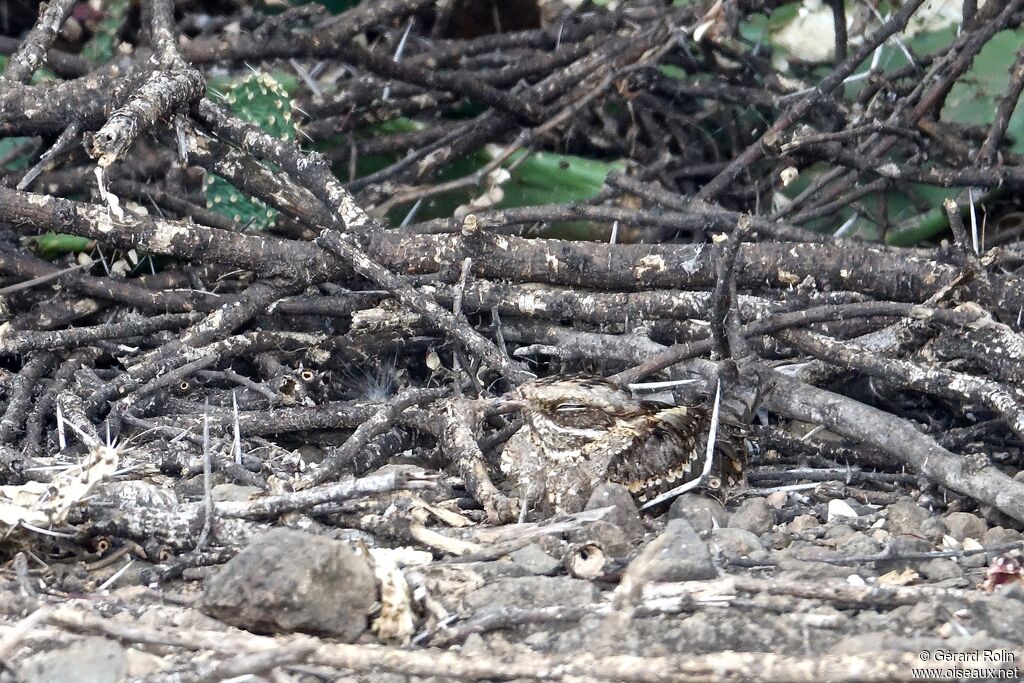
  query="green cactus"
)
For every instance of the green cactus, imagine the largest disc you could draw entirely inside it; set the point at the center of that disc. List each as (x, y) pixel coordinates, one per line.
(261, 100)
(101, 47)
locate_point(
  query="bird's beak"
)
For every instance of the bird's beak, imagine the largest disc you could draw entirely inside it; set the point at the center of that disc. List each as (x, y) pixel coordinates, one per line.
(506, 403)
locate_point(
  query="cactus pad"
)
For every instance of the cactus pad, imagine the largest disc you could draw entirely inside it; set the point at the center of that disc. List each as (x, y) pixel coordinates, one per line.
(258, 99)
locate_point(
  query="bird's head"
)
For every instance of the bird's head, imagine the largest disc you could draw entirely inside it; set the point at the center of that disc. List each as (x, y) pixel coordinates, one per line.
(574, 401)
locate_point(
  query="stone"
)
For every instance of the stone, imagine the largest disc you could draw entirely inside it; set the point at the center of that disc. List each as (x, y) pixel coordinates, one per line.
(803, 523)
(677, 554)
(287, 580)
(702, 513)
(906, 517)
(610, 538)
(754, 515)
(234, 493)
(1000, 618)
(790, 568)
(976, 560)
(940, 569)
(837, 531)
(899, 547)
(736, 543)
(998, 535)
(535, 561)
(625, 516)
(858, 544)
(777, 540)
(532, 591)
(933, 529)
(961, 525)
(839, 509)
(92, 660)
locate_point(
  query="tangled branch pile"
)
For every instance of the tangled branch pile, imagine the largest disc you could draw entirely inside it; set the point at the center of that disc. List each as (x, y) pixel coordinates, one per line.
(281, 280)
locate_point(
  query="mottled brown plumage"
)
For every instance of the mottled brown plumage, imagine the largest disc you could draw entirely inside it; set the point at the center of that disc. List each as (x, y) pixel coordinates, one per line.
(582, 431)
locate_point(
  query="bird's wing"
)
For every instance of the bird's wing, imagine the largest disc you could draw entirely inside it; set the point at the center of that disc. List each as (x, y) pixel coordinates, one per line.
(674, 451)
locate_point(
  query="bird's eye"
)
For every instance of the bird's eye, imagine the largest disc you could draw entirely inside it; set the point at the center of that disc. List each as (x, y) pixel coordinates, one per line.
(569, 408)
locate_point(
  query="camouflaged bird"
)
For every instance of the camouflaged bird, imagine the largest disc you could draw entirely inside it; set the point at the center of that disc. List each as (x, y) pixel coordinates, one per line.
(582, 431)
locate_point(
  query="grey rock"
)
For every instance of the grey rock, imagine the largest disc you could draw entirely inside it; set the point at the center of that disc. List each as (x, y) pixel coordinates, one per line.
(625, 516)
(703, 513)
(933, 529)
(287, 580)
(735, 543)
(838, 531)
(311, 455)
(777, 540)
(234, 493)
(974, 561)
(532, 591)
(963, 525)
(940, 569)
(811, 562)
(498, 569)
(998, 535)
(1000, 618)
(92, 660)
(802, 523)
(755, 515)
(997, 518)
(535, 561)
(899, 547)
(793, 569)
(609, 537)
(906, 517)
(677, 554)
(858, 544)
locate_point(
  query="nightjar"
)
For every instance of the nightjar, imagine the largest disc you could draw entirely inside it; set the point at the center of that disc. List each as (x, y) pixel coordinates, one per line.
(582, 431)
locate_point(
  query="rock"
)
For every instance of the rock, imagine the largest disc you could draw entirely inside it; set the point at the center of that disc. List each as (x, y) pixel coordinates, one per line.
(940, 569)
(963, 525)
(933, 529)
(535, 561)
(142, 665)
(532, 591)
(735, 543)
(703, 513)
(884, 641)
(677, 554)
(234, 493)
(495, 570)
(839, 509)
(803, 523)
(906, 517)
(998, 535)
(609, 537)
(792, 568)
(975, 560)
(287, 580)
(858, 544)
(754, 515)
(999, 618)
(899, 547)
(625, 516)
(777, 540)
(837, 531)
(92, 660)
